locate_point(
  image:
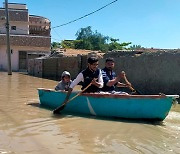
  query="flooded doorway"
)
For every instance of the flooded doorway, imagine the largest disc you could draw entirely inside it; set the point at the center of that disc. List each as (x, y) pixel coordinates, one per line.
(22, 60)
(24, 56)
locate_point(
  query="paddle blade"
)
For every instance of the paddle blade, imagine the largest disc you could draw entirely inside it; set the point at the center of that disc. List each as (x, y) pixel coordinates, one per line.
(57, 110)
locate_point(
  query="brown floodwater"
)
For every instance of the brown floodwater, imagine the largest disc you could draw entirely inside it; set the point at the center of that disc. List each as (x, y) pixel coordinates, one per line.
(26, 128)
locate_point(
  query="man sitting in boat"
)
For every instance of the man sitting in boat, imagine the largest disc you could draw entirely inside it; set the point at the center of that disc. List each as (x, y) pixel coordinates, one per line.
(91, 77)
(110, 79)
(65, 82)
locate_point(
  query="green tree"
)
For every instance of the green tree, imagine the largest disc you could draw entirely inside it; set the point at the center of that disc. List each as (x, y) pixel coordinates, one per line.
(84, 33)
(91, 40)
(68, 44)
(55, 45)
(136, 47)
(114, 45)
(87, 39)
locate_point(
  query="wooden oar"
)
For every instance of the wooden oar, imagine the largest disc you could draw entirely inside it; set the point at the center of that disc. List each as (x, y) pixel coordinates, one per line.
(130, 87)
(60, 108)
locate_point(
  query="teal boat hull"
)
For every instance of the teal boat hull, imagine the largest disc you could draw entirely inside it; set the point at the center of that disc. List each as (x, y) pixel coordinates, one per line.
(154, 107)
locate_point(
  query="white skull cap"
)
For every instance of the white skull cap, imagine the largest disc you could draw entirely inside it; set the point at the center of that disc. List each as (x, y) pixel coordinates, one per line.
(65, 73)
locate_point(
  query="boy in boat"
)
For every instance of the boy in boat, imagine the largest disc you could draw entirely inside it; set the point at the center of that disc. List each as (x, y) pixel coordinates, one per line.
(111, 80)
(65, 82)
(91, 78)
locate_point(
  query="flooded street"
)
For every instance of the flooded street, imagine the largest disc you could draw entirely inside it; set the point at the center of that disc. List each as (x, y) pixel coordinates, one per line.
(27, 128)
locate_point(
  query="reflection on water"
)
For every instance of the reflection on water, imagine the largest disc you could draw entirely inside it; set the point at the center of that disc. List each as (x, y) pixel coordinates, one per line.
(33, 129)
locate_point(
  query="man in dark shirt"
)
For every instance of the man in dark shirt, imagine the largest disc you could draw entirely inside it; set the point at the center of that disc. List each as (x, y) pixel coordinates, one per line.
(92, 74)
(109, 77)
(91, 78)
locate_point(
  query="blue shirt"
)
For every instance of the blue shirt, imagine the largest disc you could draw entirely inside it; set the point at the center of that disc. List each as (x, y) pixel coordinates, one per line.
(108, 75)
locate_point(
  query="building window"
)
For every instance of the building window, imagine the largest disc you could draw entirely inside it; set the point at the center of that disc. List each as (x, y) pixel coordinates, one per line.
(13, 27)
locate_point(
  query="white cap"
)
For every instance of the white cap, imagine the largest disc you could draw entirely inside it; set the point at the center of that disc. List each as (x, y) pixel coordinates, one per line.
(65, 73)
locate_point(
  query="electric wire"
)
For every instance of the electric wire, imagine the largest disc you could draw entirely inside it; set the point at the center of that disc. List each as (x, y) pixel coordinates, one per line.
(53, 28)
(85, 15)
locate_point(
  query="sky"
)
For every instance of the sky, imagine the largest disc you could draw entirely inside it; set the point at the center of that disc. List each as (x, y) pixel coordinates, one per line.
(149, 23)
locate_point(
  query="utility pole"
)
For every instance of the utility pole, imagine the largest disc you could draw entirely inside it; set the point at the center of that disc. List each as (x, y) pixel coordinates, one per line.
(8, 39)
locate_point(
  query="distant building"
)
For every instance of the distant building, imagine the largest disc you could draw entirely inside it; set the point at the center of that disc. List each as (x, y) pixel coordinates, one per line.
(29, 36)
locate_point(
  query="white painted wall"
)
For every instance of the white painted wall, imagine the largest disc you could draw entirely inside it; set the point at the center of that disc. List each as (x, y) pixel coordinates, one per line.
(16, 6)
(15, 56)
(3, 64)
(3, 59)
(21, 27)
(2, 28)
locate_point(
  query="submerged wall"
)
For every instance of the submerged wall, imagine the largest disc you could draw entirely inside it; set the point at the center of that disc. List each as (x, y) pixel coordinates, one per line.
(150, 73)
(52, 68)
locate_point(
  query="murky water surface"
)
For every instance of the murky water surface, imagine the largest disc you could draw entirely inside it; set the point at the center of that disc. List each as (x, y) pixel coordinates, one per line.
(27, 128)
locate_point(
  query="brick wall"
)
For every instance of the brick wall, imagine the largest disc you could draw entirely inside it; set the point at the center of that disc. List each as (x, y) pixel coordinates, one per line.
(150, 73)
(27, 40)
(15, 15)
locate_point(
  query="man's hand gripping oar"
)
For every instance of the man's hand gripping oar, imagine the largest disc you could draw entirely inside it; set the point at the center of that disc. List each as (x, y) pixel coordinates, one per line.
(129, 84)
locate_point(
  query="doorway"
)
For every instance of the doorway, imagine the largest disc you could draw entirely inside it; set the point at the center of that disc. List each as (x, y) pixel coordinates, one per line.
(22, 60)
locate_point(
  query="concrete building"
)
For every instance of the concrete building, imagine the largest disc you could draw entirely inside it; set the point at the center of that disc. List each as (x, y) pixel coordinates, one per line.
(29, 36)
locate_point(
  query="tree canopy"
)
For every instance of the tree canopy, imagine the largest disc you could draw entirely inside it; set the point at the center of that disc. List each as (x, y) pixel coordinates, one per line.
(89, 40)
(55, 45)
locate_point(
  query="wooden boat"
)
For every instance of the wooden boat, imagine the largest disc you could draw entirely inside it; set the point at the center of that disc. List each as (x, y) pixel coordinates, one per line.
(152, 107)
